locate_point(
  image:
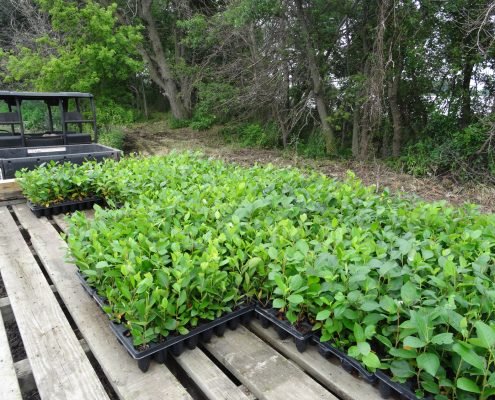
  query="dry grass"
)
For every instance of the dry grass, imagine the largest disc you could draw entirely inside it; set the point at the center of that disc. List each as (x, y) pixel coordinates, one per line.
(157, 138)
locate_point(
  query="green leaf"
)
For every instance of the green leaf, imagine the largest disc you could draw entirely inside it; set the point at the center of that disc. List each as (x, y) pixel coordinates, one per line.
(101, 265)
(295, 282)
(369, 306)
(401, 369)
(170, 324)
(409, 293)
(402, 353)
(364, 348)
(359, 333)
(323, 315)
(429, 362)
(295, 299)
(388, 304)
(302, 246)
(468, 355)
(468, 385)
(372, 361)
(443, 338)
(412, 342)
(278, 303)
(485, 334)
(273, 253)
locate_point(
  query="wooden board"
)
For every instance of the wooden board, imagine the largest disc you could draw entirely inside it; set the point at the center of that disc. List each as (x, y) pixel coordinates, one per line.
(334, 377)
(214, 384)
(125, 377)
(264, 371)
(60, 366)
(9, 386)
(10, 190)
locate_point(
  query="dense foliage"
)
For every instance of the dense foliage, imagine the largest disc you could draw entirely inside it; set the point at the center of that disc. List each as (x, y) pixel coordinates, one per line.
(360, 78)
(400, 285)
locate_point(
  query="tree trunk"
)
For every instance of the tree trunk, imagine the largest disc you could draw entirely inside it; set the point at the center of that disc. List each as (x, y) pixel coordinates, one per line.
(393, 94)
(355, 131)
(160, 71)
(467, 74)
(145, 101)
(321, 107)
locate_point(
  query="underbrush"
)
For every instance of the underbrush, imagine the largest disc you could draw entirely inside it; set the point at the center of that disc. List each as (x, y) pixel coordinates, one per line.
(460, 154)
(251, 135)
(112, 137)
(401, 285)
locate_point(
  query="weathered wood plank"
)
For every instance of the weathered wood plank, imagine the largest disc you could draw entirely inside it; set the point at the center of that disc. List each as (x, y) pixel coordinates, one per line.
(126, 379)
(211, 380)
(264, 371)
(334, 377)
(9, 386)
(10, 190)
(60, 366)
(6, 309)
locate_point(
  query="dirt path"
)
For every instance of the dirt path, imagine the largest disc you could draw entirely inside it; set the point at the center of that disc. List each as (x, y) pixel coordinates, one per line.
(157, 138)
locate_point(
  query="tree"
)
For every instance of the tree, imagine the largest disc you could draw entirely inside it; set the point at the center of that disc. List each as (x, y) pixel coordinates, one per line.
(84, 49)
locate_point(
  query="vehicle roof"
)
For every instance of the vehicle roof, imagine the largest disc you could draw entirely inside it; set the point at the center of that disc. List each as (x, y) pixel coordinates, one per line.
(9, 96)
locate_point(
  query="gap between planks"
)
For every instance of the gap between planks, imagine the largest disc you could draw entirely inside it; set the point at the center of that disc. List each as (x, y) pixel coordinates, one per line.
(9, 387)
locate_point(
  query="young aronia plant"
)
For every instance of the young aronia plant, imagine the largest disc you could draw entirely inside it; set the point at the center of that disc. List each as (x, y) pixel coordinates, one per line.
(399, 284)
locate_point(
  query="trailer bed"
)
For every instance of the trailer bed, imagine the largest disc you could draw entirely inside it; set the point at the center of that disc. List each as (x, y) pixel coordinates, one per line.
(14, 159)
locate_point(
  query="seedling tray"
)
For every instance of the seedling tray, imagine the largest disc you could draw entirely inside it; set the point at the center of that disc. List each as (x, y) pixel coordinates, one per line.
(268, 317)
(350, 364)
(101, 301)
(175, 344)
(389, 388)
(64, 207)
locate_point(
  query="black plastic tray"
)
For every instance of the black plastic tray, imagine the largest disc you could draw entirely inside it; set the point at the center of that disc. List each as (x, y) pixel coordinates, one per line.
(64, 207)
(175, 344)
(101, 301)
(349, 363)
(268, 317)
(389, 388)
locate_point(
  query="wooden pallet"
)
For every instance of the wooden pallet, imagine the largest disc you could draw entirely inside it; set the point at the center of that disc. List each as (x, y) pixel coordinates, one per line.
(71, 352)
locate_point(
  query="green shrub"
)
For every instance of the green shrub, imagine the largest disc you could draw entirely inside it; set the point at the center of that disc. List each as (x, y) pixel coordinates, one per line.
(110, 113)
(112, 137)
(314, 147)
(452, 152)
(175, 123)
(202, 121)
(251, 135)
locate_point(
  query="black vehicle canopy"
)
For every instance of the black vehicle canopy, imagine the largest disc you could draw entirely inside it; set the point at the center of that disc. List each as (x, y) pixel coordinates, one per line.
(80, 116)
